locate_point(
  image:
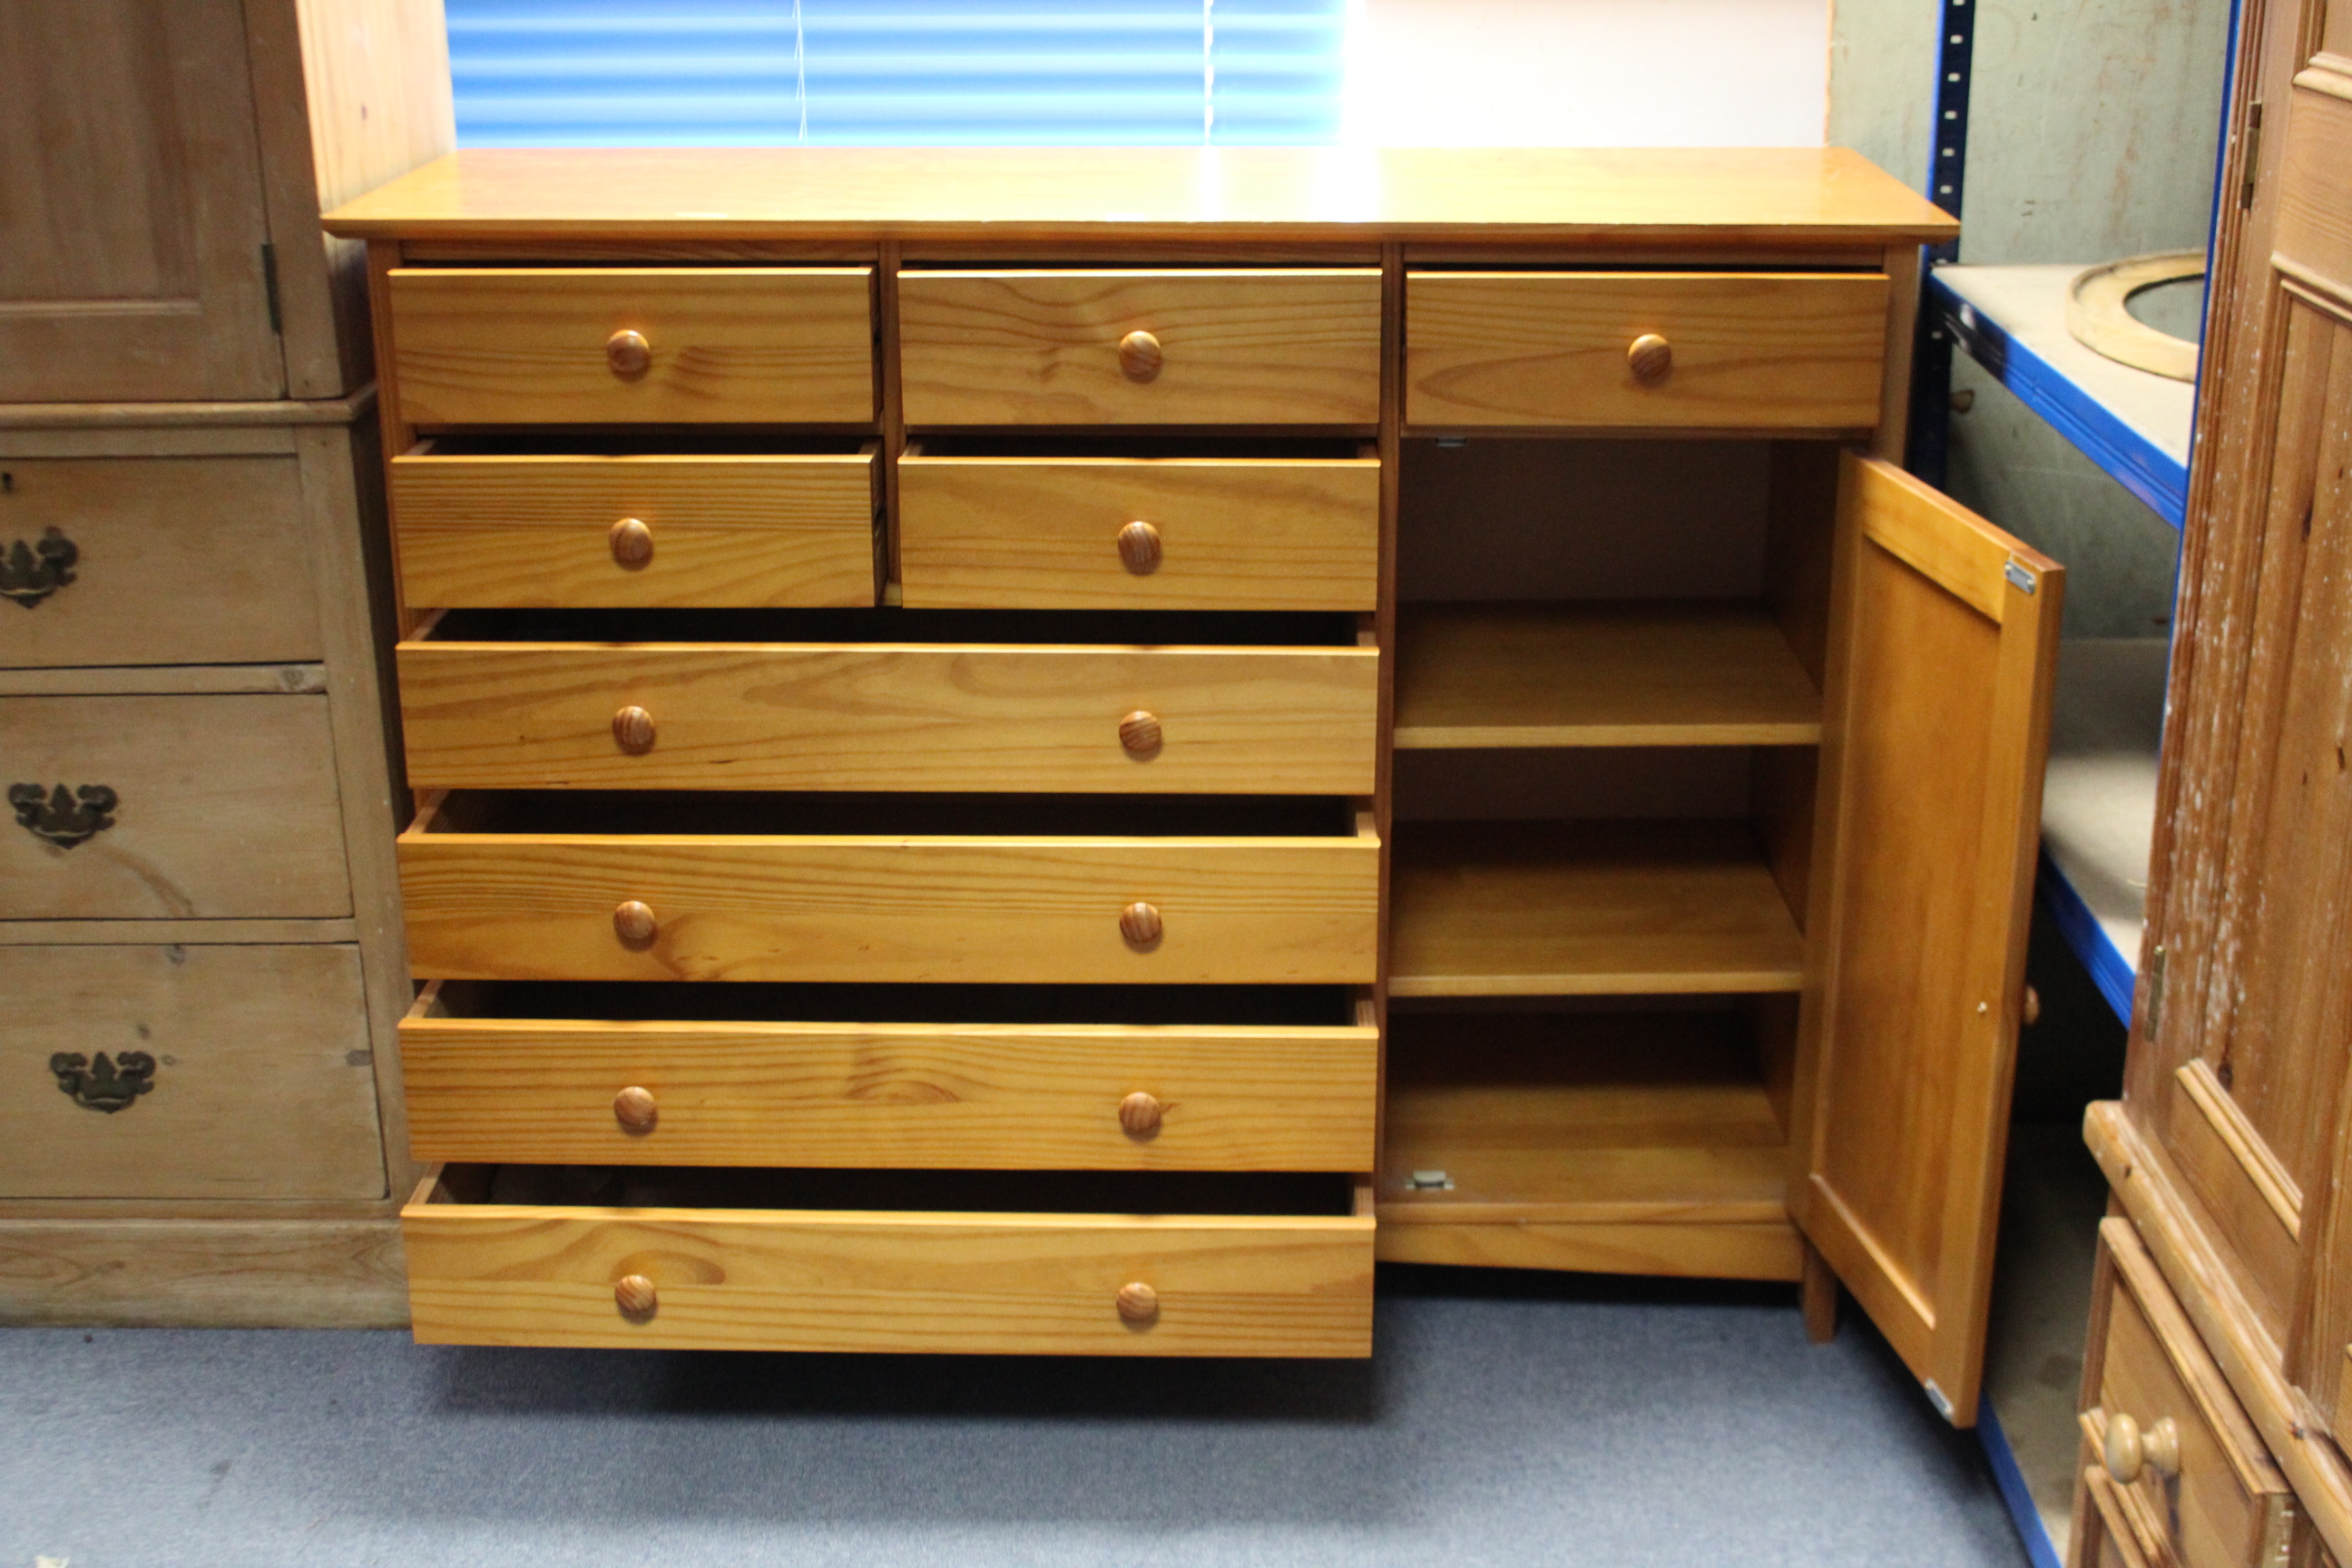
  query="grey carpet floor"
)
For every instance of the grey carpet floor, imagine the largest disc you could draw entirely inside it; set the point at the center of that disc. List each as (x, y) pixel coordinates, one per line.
(1504, 1420)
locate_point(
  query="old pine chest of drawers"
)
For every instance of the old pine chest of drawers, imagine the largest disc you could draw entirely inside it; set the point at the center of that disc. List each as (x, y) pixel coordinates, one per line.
(1056, 751)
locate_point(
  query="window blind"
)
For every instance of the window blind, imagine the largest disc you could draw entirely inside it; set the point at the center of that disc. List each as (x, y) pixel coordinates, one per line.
(587, 73)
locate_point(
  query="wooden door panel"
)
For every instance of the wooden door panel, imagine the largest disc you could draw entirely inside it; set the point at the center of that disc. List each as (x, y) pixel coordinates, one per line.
(1936, 719)
(130, 213)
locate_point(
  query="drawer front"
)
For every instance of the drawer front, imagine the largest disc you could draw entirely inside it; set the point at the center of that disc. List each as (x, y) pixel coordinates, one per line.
(155, 560)
(1032, 1284)
(890, 716)
(2109, 1534)
(186, 1072)
(188, 807)
(1017, 911)
(635, 532)
(1287, 347)
(2224, 1500)
(906, 1096)
(1742, 350)
(532, 345)
(1057, 533)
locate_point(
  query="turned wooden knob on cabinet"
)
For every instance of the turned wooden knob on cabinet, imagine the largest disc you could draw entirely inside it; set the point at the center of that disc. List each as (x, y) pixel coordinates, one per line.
(633, 727)
(1650, 357)
(1140, 732)
(1139, 1113)
(628, 353)
(1138, 546)
(2031, 1010)
(635, 1295)
(634, 922)
(1139, 923)
(633, 542)
(2130, 1451)
(1138, 1303)
(634, 1108)
(1138, 355)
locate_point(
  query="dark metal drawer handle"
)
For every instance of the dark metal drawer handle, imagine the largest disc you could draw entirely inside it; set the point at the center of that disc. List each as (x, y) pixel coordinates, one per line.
(31, 573)
(104, 1085)
(64, 818)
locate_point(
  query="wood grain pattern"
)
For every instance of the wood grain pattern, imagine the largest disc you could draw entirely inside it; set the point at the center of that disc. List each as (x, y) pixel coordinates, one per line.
(1024, 910)
(132, 265)
(264, 1086)
(1156, 196)
(178, 560)
(249, 1273)
(891, 716)
(1762, 351)
(226, 807)
(1529, 908)
(1683, 1249)
(1039, 1284)
(2207, 1290)
(2228, 1503)
(729, 345)
(765, 530)
(2314, 240)
(903, 1096)
(1612, 1117)
(1698, 674)
(347, 95)
(343, 502)
(1936, 719)
(1238, 533)
(1300, 346)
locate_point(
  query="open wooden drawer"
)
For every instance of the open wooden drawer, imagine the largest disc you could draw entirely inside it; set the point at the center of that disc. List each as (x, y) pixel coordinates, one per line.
(981, 1077)
(1019, 889)
(1132, 703)
(991, 1263)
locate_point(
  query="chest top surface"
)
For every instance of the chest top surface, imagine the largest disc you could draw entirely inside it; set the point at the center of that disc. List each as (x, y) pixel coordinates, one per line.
(1767, 195)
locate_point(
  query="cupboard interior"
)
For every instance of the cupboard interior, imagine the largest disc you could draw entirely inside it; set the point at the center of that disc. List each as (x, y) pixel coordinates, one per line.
(1608, 719)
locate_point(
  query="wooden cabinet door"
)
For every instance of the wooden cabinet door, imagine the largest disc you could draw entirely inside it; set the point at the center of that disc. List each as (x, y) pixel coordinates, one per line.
(131, 211)
(2244, 1038)
(1936, 719)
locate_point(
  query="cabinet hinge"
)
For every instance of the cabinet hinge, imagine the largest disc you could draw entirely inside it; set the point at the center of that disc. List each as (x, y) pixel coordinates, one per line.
(2253, 160)
(269, 286)
(1936, 1397)
(2154, 1018)
(2020, 578)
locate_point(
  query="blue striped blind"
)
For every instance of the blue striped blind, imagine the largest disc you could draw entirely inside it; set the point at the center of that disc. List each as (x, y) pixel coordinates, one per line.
(592, 73)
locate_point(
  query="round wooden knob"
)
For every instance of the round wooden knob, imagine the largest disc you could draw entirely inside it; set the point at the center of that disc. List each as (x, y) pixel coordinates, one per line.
(633, 542)
(1139, 1113)
(1138, 355)
(634, 1108)
(627, 353)
(1139, 923)
(2130, 1451)
(2032, 1011)
(635, 922)
(2124, 1454)
(634, 1294)
(1650, 358)
(1140, 732)
(1138, 1303)
(633, 727)
(1138, 546)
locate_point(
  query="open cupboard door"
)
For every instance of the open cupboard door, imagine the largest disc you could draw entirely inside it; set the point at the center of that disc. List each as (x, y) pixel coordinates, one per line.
(1943, 641)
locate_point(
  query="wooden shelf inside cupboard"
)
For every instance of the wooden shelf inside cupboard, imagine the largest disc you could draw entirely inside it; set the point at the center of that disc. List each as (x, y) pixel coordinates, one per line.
(1644, 1139)
(1670, 674)
(1541, 909)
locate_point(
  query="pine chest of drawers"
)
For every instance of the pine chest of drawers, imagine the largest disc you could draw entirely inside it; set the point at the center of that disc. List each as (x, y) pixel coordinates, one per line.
(1056, 751)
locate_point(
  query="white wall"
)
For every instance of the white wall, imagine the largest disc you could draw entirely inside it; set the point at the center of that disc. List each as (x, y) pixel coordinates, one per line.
(1604, 73)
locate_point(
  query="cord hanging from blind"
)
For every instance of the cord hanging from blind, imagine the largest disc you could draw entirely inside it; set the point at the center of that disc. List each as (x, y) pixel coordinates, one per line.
(587, 73)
